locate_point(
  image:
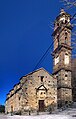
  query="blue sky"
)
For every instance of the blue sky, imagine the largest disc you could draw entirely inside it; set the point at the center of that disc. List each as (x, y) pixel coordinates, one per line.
(25, 34)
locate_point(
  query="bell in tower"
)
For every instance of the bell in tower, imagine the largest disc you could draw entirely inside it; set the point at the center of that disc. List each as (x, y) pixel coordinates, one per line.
(62, 57)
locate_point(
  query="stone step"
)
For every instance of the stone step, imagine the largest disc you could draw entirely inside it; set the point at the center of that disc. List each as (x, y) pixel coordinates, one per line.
(43, 113)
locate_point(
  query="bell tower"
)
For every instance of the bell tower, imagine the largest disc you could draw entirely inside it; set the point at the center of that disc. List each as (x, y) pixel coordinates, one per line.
(62, 57)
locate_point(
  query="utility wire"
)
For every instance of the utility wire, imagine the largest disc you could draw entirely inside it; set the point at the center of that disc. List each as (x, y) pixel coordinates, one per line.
(43, 55)
(51, 45)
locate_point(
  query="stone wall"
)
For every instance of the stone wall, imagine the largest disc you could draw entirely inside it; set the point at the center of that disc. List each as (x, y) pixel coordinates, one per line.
(74, 79)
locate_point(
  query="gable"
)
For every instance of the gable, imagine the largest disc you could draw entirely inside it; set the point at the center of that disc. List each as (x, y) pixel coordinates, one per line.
(38, 70)
(43, 72)
(42, 87)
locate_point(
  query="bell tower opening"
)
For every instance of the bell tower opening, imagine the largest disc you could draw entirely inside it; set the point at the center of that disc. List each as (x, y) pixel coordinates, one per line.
(62, 57)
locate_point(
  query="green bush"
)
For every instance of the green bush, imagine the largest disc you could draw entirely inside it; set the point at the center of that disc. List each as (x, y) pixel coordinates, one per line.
(2, 109)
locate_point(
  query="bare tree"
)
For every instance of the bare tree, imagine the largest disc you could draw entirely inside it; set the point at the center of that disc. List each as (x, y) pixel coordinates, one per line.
(69, 3)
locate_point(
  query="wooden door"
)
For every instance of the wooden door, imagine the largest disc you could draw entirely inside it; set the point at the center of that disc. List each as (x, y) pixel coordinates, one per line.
(41, 105)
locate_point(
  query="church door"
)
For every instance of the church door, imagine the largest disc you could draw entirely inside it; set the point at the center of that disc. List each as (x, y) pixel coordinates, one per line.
(41, 105)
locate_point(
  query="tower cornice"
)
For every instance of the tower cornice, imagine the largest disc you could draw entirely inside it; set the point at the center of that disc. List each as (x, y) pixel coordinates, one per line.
(62, 68)
(61, 28)
(61, 47)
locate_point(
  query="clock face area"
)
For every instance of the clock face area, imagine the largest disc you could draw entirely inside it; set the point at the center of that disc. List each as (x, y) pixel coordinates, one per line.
(66, 59)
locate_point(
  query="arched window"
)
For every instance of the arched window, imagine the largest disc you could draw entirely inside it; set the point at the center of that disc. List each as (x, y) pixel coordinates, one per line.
(57, 24)
(66, 33)
(66, 75)
(65, 21)
(65, 40)
(42, 78)
(66, 37)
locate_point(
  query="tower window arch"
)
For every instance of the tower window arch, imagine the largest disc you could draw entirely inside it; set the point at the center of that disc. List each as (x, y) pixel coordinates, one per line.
(66, 33)
(66, 37)
(57, 24)
(65, 21)
(66, 75)
(65, 40)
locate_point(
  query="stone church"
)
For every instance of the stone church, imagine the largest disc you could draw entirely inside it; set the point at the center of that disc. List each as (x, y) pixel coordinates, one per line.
(39, 90)
(35, 91)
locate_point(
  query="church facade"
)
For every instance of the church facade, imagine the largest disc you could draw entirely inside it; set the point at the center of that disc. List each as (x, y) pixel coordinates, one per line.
(39, 90)
(36, 91)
